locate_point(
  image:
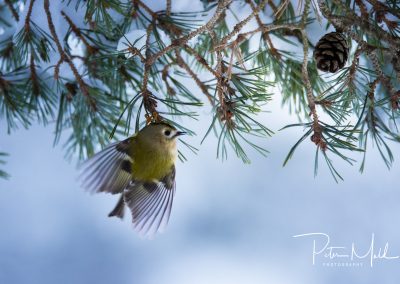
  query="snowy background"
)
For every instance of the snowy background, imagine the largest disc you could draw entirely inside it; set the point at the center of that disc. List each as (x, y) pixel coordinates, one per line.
(231, 223)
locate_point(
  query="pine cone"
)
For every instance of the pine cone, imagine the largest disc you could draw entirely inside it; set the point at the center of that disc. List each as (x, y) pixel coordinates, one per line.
(331, 52)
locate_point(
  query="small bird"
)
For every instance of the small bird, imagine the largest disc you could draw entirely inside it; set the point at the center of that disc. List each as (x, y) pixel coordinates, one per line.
(142, 169)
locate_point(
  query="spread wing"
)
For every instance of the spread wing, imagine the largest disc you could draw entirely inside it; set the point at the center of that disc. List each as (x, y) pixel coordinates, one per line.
(109, 170)
(151, 203)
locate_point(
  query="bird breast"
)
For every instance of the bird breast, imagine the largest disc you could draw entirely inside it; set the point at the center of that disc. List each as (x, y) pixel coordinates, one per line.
(154, 162)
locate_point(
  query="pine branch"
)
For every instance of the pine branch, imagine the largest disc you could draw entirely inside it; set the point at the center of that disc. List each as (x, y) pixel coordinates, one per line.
(146, 62)
(29, 14)
(164, 72)
(114, 86)
(317, 137)
(263, 29)
(351, 18)
(265, 35)
(168, 9)
(65, 58)
(34, 77)
(184, 39)
(242, 23)
(145, 7)
(181, 63)
(363, 9)
(381, 6)
(12, 9)
(200, 59)
(364, 46)
(77, 32)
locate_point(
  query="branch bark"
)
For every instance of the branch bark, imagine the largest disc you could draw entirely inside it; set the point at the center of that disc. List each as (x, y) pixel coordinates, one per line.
(184, 39)
(65, 58)
(12, 9)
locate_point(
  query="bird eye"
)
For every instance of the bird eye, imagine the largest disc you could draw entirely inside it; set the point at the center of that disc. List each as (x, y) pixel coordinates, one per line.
(167, 132)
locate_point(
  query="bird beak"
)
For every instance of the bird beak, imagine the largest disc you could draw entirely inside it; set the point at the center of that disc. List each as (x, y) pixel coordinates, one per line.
(179, 133)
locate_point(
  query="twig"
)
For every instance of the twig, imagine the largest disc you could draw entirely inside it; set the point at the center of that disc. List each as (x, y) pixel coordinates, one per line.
(200, 59)
(146, 8)
(150, 59)
(136, 52)
(28, 15)
(273, 6)
(354, 63)
(64, 57)
(4, 86)
(370, 94)
(184, 39)
(57, 68)
(168, 10)
(12, 9)
(265, 35)
(380, 75)
(384, 79)
(317, 137)
(282, 7)
(171, 28)
(164, 77)
(146, 65)
(83, 59)
(352, 18)
(341, 22)
(380, 5)
(240, 25)
(27, 26)
(264, 29)
(220, 80)
(78, 33)
(149, 103)
(363, 8)
(181, 63)
(35, 84)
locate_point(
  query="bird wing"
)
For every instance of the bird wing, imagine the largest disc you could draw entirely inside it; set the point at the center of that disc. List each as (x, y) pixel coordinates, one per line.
(109, 170)
(151, 203)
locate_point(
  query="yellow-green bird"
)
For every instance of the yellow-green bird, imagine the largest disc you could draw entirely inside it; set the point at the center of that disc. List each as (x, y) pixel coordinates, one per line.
(142, 169)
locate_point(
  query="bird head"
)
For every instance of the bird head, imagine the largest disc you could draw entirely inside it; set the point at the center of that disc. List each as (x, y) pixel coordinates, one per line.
(162, 133)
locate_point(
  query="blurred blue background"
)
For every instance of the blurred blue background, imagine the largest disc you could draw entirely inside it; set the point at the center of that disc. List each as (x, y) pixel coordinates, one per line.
(230, 223)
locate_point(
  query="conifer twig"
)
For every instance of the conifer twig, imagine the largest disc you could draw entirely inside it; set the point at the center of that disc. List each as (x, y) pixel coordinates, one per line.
(146, 65)
(200, 59)
(264, 29)
(317, 137)
(184, 39)
(164, 75)
(384, 79)
(220, 80)
(241, 24)
(146, 8)
(28, 15)
(168, 9)
(78, 33)
(150, 104)
(136, 52)
(34, 77)
(64, 57)
(351, 18)
(354, 63)
(363, 8)
(265, 35)
(12, 9)
(379, 5)
(341, 22)
(181, 63)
